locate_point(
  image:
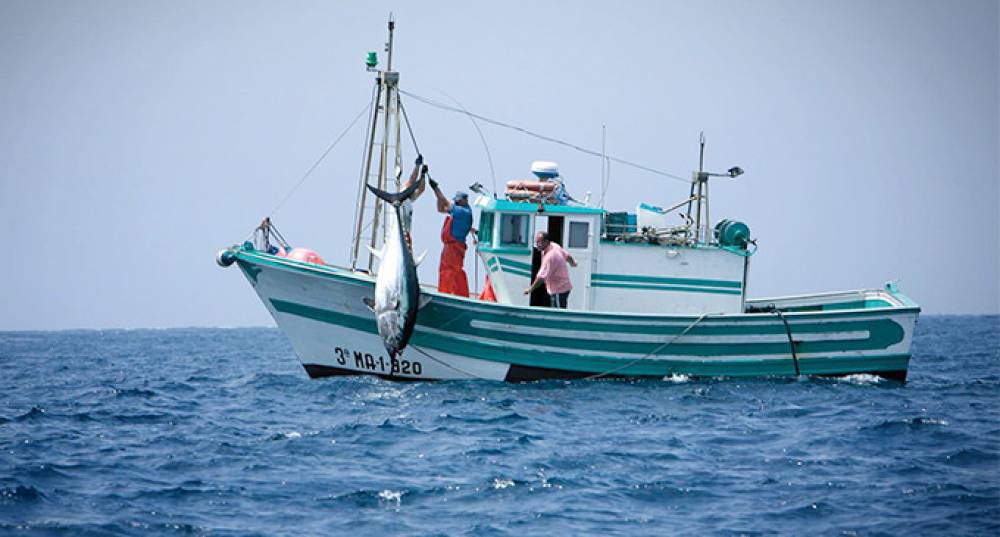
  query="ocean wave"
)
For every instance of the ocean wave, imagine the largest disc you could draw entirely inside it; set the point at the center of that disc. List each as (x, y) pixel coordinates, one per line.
(368, 497)
(133, 392)
(906, 424)
(664, 491)
(36, 412)
(20, 494)
(971, 456)
(509, 417)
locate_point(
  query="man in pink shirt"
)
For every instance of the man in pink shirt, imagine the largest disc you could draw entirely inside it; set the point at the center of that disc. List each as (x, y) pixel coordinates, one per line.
(553, 271)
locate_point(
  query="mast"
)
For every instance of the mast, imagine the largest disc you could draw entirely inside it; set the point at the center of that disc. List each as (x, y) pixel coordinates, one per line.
(701, 181)
(386, 112)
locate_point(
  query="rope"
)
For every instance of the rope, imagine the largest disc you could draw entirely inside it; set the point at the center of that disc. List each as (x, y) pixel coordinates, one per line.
(652, 352)
(791, 343)
(421, 351)
(543, 137)
(412, 137)
(318, 161)
(409, 128)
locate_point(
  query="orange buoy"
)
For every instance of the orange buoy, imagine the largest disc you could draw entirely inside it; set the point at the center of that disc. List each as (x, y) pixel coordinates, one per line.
(306, 256)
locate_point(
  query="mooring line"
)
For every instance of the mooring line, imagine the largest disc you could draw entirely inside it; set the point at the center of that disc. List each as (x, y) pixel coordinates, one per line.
(453, 368)
(791, 342)
(652, 352)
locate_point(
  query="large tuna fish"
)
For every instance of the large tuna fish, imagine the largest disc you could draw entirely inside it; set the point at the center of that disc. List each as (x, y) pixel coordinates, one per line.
(397, 292)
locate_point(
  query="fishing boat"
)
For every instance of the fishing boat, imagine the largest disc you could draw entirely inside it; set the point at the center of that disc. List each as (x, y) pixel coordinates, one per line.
(649, 299)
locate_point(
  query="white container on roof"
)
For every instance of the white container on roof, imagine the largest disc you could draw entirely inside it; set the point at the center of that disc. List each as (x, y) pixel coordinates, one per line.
(545, 170)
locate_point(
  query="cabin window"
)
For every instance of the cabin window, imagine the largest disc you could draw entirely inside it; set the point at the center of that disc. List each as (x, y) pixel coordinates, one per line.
(578, 234)
(514, 230)
(486, 228)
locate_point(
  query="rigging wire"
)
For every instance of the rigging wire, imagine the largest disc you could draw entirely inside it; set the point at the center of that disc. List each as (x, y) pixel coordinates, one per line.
(409, 128)
(319, 160)
(357, 197)
(482, 138)
(522, 130)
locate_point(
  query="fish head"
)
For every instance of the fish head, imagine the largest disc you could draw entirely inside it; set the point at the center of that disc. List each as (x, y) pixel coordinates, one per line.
(390, 329)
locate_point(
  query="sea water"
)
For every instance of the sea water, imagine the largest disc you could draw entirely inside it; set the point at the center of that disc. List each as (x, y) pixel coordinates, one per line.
(220, 432)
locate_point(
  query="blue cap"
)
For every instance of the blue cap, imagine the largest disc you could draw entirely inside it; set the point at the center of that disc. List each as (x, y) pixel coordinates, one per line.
(460, 196)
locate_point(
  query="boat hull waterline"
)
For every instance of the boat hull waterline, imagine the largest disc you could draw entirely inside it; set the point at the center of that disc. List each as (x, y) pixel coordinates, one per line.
(320, 310)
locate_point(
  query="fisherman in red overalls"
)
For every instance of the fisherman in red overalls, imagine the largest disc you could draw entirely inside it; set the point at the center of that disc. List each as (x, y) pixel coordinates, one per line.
(451, 274)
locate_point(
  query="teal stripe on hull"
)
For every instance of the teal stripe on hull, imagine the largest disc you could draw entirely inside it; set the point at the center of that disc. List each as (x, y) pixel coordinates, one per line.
(523, 274)
(845, 365)
(508, 250)
(732, 284)
(509, 266)
(326, 316)
(514, 264)
(851, 305)
(649, 287)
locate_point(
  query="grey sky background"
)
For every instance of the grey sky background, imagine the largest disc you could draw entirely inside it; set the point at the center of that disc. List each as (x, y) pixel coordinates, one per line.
(138, 138)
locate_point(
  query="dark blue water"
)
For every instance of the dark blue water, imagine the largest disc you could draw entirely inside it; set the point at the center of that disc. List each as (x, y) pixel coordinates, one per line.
(220, 432)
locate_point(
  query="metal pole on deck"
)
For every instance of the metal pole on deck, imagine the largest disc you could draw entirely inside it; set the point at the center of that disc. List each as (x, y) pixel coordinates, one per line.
(389, 87)
(365, 177)
(701, 168)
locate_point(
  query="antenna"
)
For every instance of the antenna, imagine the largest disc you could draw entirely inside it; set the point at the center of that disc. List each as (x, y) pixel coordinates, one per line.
(701, 164)
(604, 162)
(700, 178)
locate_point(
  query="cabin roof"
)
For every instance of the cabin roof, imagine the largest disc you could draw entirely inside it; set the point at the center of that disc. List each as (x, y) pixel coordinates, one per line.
(527, 207)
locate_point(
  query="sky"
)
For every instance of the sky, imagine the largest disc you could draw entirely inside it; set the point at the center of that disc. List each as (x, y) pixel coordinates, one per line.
(139, 138)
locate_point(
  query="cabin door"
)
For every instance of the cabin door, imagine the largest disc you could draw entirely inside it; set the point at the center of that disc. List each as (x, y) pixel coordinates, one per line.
(554, 225)
(579, 243)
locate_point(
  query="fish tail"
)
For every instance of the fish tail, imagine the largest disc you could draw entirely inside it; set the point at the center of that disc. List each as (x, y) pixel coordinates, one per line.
(398, 197)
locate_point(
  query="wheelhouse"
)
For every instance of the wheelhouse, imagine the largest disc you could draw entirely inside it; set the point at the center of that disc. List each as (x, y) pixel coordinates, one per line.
(613, 274)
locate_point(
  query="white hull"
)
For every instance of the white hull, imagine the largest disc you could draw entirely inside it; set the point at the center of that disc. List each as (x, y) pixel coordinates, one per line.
(321, 310)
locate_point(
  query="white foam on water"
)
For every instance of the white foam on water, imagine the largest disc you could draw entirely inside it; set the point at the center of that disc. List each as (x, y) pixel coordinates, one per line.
(861, 378)
(502, 483)
(929, 421)
(675, 378)
(293, 434)
(391, 495)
